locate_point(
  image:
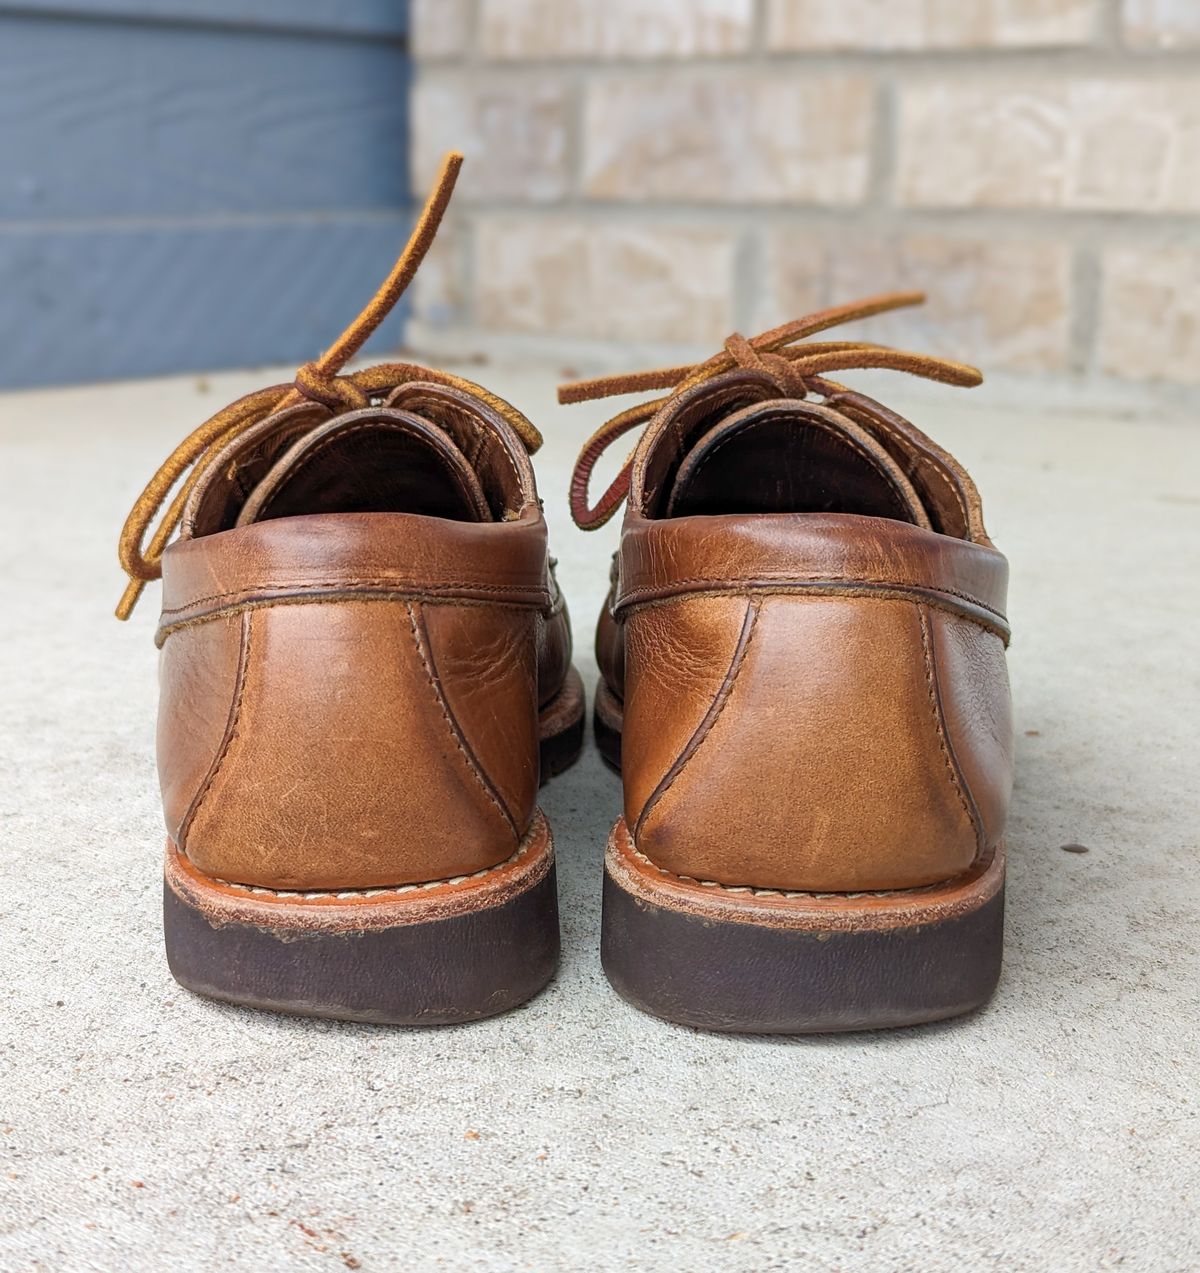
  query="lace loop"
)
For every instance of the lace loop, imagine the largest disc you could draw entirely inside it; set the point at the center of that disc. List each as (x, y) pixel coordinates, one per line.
(319, 381)
(797, 368)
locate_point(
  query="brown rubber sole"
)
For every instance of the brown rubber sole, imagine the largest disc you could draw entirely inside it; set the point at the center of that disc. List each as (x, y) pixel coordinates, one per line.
(766, 961)
(433, 953)
(560, 727)
(607, 717)
(422, 954)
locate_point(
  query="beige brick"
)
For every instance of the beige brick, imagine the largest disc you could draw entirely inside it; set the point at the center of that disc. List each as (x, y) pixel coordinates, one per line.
(439, 292)
(513, 133)
(615, 28)
(744, 138)
(604, 281)
(440, 28)
(1002, 305)
(797, 25)
(1089, 144)
(1161, 24)
(1150, 314)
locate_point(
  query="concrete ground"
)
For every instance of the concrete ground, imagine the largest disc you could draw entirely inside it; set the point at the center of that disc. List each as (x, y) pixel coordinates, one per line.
(142, 1128)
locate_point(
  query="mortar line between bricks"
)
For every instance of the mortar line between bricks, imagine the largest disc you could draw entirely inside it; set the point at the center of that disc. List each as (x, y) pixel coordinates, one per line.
(1151, 65)
(1108, 24)
(758, 29)
(1085, 312)
(1060, 224)
(221, 220)
(474, 19)
(747, 283)
(881, 184)
(574, 140)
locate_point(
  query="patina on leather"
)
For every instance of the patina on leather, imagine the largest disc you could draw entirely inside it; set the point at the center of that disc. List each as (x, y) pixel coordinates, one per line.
(361, 631)
(804, 643)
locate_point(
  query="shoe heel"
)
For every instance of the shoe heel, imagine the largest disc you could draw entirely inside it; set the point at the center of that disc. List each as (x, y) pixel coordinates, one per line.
(770, 962)
(422, 954)
(607, 722)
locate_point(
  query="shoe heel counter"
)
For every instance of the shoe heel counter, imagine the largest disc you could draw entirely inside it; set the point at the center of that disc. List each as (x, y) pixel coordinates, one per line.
(310, 746)
(813, 748)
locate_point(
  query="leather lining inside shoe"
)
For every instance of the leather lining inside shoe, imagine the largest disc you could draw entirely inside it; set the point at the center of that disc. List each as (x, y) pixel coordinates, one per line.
(790, 457)
(776, 467)
(393, 463)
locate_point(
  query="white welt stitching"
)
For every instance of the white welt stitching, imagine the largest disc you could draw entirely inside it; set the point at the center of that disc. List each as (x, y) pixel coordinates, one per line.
(787, 893)
(394, 890)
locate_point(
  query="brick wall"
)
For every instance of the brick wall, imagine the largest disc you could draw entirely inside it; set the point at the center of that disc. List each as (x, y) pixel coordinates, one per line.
(644, 178)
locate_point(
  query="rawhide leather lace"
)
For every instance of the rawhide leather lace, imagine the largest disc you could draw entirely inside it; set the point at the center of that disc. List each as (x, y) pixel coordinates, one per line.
(797, 368)
(320, 381)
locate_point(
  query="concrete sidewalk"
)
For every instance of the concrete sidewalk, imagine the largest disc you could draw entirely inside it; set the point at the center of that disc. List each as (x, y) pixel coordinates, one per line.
(144, 1129)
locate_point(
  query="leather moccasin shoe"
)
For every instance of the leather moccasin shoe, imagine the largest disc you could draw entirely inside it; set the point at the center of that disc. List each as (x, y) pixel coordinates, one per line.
(804, 685)
(365, 672)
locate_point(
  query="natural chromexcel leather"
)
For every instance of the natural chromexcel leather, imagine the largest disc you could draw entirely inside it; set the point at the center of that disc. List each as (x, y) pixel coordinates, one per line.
(350, 698)
(806, 634)
(365, 675)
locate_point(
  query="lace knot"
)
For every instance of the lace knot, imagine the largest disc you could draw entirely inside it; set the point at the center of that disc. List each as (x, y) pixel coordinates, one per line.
(795, 363)
(335, 392)
(318, 382)
(745, 354)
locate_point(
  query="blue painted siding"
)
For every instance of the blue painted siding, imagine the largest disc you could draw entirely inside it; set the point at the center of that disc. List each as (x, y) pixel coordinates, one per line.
(180, 194)
(388, 18)
(93, 305)
(117, 120)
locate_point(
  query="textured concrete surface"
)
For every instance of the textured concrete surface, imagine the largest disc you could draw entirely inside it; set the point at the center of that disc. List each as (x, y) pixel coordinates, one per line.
(143, 1128)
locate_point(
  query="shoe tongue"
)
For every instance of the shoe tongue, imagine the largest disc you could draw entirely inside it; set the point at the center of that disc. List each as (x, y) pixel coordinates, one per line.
(370, 461)
(792, 457)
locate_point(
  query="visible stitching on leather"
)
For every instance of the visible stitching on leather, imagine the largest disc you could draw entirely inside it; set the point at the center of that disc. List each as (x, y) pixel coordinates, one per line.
(923, 457)
(231, 724)
(704, 729)
(477, 450)
(483, 434)
(940, 724)
(266, 603)
(681, 424)
(361, 581)
(233, 473)
(858, 590)
(451, 724)
(383, 891)
(934, 465)
(629, 598)
(488, 441)
(800, 893)
(999, 631)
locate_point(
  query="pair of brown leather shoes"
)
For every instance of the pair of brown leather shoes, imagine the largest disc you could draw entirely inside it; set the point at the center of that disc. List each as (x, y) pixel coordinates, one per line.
(366, 673)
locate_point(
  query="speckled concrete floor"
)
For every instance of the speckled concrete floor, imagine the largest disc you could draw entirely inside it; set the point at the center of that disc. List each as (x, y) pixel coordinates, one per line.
(142, 1128)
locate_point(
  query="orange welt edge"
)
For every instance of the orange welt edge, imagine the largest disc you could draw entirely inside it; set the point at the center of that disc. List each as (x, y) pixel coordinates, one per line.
(822, 912)
(377, 906)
